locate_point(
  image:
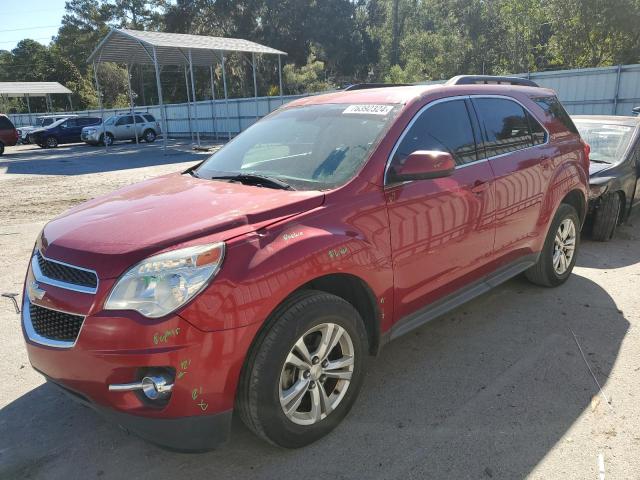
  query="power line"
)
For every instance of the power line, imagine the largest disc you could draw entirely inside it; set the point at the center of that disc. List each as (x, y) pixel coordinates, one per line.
(29, 28)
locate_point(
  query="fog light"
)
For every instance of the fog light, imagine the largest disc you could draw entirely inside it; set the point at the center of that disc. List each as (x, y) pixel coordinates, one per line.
(156, 387)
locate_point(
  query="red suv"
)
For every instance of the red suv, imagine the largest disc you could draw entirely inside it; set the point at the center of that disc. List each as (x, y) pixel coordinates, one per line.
(8, 133)
(259, 280)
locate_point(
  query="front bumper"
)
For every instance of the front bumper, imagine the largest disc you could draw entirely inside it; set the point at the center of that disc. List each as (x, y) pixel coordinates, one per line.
(187, 434)
(91, 137)
(121, 347)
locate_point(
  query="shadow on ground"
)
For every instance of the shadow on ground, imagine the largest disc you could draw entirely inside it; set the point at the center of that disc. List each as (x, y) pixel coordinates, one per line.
(81, 159)
(624, 245)
(485, 391)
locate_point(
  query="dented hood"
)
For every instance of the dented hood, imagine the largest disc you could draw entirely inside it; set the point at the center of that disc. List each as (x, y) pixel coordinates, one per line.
(110, 233)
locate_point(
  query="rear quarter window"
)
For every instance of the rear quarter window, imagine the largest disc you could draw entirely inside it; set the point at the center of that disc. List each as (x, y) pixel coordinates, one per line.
(5, 124)
(555, 109)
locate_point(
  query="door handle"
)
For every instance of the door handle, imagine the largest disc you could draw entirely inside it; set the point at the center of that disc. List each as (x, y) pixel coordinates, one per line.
(480, 186)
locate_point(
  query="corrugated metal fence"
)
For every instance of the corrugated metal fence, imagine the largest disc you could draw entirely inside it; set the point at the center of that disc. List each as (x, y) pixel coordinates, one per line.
(604, 91)
(215, 118)
(594, 91)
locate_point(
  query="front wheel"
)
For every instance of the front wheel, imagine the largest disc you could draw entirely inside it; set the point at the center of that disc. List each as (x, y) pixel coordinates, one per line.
(106, 139)
(558, 256)
(305, 370)
(605, 218)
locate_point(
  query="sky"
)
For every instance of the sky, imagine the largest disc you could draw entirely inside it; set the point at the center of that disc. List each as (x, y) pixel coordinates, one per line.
(35, 19)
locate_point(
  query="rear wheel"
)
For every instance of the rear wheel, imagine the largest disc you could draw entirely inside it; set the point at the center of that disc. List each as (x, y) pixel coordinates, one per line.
(558, 256)
(51, 142)
(305, 370)
(605, 217)
(149, 136)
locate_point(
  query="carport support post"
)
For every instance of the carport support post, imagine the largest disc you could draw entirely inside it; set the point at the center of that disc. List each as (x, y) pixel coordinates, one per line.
(186, 84)
(213, 103)
(193, 97)
(226, 96)
(95, 76)
(70, 102)
(133, 113)
(255, 83)
(162, 113)
(29, 110)
(280, 77)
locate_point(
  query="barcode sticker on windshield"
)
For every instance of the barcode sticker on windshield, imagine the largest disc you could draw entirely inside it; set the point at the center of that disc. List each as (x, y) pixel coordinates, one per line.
(369, 109)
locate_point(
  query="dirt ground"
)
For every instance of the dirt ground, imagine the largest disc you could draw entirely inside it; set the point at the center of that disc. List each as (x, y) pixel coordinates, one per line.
(496, 389)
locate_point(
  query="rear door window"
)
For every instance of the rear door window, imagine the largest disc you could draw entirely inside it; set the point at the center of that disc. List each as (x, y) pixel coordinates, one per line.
(444, 127)
(506, 125)
(538, 132)
(149, 118)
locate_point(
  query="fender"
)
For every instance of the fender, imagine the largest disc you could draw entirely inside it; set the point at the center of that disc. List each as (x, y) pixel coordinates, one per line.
(263, 268)
(569, 176)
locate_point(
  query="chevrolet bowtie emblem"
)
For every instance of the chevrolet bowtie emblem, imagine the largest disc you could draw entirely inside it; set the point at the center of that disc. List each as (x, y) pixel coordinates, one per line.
(35, 292)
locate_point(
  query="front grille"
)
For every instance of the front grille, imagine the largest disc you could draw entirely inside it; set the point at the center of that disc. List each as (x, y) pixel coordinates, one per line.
(66, 273)
(55, 325)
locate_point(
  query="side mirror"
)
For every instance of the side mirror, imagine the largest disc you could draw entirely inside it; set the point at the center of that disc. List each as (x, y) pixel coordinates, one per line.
(424, 165)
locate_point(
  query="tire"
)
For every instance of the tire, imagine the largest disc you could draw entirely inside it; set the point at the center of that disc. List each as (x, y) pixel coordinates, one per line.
(605, 217)
(1, 148)
(109, 139)
(51, 142)
(267, 373)
(544, 272)
(149, 136)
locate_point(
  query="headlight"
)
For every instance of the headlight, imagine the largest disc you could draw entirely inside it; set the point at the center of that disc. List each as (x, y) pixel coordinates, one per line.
(596, 191)
(90, 131)
(160, 284)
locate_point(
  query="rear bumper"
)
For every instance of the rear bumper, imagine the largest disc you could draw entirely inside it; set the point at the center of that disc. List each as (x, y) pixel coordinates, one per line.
(185, 434)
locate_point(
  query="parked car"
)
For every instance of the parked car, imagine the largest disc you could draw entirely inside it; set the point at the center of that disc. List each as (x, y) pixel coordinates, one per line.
(259, 280)
(614, 173)
(8, 133)
(41, 122)
(123, 127)
(66, 130)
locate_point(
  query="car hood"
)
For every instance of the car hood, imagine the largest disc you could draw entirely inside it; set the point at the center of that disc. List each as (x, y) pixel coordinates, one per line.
(110, 233)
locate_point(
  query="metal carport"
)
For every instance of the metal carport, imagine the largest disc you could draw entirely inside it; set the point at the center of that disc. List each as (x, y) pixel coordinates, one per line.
(158, 48)
(34, 89)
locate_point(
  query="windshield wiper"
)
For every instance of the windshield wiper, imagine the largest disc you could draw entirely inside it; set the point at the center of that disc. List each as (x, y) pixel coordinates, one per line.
(595, 160)
(254, 179)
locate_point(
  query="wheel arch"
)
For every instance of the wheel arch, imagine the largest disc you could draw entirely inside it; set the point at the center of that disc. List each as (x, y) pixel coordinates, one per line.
(354, 290)
(576, 199)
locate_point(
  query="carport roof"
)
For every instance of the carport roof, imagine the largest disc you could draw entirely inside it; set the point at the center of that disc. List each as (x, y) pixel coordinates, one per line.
(136, 47)
(33, 89)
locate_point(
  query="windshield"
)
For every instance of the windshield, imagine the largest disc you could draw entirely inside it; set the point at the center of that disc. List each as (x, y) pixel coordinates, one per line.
(313, 147)
(56, 123)
(608, 142)
(110, 120)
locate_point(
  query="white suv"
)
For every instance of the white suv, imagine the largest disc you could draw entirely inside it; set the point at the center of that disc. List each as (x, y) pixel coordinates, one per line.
(123, 127)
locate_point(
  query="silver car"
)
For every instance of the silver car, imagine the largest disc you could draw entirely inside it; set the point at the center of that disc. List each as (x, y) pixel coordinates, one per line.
(123, 127)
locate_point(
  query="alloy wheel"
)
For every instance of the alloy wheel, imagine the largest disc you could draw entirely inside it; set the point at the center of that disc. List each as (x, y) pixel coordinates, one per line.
(316, 374)
(564, 246)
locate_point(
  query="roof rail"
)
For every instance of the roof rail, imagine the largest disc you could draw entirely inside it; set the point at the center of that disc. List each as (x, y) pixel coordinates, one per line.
(490, 79)
(363, 86)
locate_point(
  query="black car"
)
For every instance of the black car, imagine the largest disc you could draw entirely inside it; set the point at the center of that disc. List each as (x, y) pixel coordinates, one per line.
(66, 130)
(614, 172)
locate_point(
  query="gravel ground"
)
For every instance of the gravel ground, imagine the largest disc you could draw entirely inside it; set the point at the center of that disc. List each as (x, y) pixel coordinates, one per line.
(496, 389)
